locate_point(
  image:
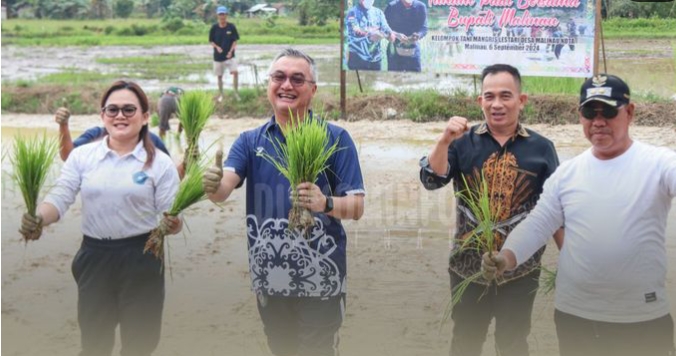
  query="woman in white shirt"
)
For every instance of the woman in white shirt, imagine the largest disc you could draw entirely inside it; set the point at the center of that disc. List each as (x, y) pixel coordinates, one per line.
(125, 185)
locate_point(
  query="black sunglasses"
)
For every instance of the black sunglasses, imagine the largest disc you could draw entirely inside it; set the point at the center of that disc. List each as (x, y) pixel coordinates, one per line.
(607, 111)
(296, 80)
(112, 110)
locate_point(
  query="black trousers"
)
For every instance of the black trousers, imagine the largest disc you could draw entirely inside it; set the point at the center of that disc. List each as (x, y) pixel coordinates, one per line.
(303, 326)
(355, 62)
(118, 284)
(510, 304)
(582, 337)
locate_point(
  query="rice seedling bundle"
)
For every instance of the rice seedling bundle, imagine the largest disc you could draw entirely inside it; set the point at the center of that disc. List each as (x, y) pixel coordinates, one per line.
(547, 279)
(300, 159)
(190, 191)
(194, 109)
(31, 160)
(476, 197)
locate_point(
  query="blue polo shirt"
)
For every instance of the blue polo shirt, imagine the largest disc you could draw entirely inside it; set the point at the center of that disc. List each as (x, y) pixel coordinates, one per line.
(371, 20)
(282, 262)
(97, 133)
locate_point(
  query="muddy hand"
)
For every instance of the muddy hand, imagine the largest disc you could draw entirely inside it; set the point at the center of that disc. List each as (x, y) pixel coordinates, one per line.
(310, 197)
(455, 128)
(30, 224)
(62, 115)
(171, 224)
(212, 177)
(492, 265)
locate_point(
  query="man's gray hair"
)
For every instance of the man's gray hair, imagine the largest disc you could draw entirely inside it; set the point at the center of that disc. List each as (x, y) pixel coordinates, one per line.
(292, 52)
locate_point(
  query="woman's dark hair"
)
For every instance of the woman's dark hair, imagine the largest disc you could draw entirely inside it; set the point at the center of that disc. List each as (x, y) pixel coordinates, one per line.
(143, 100)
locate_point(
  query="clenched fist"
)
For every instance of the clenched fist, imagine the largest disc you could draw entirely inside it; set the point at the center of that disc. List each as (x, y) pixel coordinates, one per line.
(492, 265)
(455, 128)
(31, 226)
(62, 115)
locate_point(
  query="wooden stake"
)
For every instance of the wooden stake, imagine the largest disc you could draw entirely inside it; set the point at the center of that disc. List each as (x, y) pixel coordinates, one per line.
(343, 113)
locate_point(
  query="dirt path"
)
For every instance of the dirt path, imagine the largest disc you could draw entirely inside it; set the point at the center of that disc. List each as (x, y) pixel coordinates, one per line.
(397, 254)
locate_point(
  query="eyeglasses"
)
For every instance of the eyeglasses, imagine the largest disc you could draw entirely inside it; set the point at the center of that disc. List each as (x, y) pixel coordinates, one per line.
(112, 110)
(296, 80)
(607, 111)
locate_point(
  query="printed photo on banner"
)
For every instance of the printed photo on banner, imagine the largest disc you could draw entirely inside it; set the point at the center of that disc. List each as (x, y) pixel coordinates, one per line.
(540, 37)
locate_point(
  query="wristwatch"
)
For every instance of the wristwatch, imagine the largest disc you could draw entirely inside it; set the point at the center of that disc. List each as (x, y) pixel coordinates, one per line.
(329, 204)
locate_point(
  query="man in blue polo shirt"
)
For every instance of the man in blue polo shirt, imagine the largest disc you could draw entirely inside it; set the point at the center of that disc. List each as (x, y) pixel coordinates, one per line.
(299, 282)
(366, 26)
(408, 19)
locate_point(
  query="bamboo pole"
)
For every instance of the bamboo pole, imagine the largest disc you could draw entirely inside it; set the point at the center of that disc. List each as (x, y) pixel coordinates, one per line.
(343, 84)
(597, 37)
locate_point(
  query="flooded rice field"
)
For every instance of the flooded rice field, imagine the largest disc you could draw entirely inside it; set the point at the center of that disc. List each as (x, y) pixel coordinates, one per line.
(648, 66)
(397, 256)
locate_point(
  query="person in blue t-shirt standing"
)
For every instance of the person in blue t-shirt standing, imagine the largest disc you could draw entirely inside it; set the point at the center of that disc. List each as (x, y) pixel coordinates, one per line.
(223, 38)
(408, 19)
(300, 283)
(366, 26)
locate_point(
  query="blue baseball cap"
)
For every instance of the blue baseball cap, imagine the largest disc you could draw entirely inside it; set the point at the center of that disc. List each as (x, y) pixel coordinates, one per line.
(221, 10)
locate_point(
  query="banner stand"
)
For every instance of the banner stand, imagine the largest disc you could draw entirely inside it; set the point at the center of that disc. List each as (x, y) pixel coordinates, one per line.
(343, 111)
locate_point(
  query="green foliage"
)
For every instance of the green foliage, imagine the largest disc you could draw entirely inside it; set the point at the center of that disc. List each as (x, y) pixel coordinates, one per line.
(190, 192)
(271, 20)
(551, 85)
(63, 9)
(475, 197)
(632, 9)
(152, 32)
(32, 158)
(547, 280)
(640, 28)
(426, 105)
(154, 120)
(123, 8)
(301, 157)
(172, 24)
(316, 12)
(194, 109)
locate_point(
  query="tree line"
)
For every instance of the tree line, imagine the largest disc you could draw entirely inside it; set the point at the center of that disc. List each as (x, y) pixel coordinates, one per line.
(308, 12)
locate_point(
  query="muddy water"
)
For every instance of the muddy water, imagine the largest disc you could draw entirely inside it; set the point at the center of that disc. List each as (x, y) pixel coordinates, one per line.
(397, 255)
(648, 66)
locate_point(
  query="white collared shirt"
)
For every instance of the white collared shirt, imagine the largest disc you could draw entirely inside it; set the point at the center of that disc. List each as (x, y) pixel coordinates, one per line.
(119, 198)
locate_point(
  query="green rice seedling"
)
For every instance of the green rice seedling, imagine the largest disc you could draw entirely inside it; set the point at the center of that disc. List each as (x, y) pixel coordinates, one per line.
(194, 109)
(31, 160)
(476, 197)
(154, 120)
(190, 191)
(301, 158)
(547, 280)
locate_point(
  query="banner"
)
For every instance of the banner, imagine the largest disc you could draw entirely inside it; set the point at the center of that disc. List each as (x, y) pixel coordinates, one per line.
(539, 37)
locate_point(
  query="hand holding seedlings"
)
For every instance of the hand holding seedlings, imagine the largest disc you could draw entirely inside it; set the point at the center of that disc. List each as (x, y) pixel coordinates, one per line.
(455, 128)
(212, 177)
(493, 265)
(31, 226)
(62, 115)
(310, 197)
(171, 224)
